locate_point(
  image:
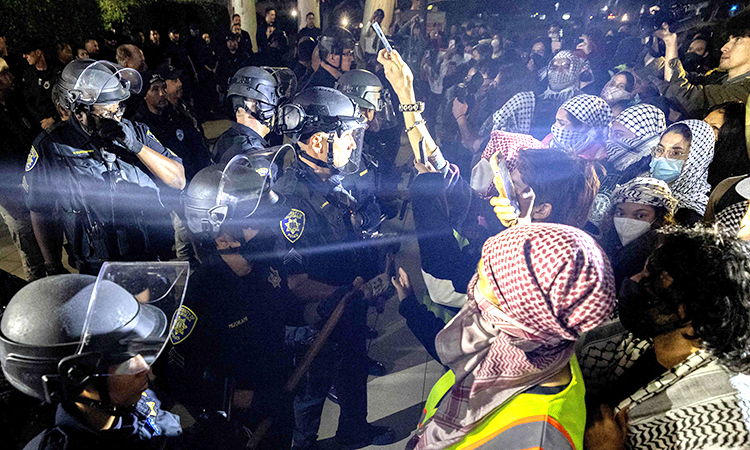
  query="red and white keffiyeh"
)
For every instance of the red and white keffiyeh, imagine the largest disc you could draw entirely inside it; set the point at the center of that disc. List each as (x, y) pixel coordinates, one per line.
(553, 283)
(509, 144)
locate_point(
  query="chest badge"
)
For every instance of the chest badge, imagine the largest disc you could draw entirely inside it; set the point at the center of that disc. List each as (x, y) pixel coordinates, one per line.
(183, 323)
(293, 225)
(274, 278)
(180, 134)
(31, 159)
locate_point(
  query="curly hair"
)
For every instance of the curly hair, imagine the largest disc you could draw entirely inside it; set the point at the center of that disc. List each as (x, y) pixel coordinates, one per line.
(711, 273)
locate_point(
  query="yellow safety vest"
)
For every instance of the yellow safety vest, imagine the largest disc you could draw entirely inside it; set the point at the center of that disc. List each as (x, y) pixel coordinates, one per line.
(526, 418)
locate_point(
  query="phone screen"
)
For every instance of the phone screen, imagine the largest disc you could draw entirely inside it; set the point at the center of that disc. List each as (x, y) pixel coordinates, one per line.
(502, 180)
(381, 35)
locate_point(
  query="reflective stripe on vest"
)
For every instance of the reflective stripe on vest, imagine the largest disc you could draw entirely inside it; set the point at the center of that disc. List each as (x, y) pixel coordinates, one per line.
(527, 420)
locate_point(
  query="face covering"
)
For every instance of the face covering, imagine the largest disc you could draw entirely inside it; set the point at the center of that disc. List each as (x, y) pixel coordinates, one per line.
(643, 314)
(559, 79)
(666, 169)
(612, 94)
(567, 139)
(630, 229)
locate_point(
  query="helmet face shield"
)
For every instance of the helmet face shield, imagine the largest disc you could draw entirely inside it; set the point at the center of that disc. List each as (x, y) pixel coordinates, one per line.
(240, 190)
(353, 166)
(145, 297)
(105, 82)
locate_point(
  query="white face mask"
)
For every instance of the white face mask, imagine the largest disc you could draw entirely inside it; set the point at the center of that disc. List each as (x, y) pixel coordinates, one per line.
(630, 229)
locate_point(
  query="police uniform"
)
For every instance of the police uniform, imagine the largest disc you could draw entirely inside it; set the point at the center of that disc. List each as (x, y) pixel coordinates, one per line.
(318, 239)
(37, 92)
(321, 77)
(238, 139)
(320, 220)
(177, 132)
(147, 427)
(232, 328)
(106, 215)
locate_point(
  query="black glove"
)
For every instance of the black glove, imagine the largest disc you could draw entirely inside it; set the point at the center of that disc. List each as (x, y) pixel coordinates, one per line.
(121, 133)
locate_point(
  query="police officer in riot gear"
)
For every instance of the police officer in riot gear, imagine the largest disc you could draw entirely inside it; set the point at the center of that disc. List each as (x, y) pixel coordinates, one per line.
(321, 240)
(336, 49)
(58, 345)
(104, 173)
(236, 308)
(254, 94)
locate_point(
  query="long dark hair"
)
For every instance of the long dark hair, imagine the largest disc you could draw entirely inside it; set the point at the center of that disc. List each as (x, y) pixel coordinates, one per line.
(567, 183)
(730, 154)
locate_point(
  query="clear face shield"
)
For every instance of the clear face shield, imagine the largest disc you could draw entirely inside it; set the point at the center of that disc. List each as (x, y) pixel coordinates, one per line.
(240, 190)
(143, 297)
(104, 82)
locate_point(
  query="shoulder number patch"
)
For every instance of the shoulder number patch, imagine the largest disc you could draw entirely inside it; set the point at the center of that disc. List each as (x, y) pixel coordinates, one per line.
(293, 225)
(31, 159)
(183, 323)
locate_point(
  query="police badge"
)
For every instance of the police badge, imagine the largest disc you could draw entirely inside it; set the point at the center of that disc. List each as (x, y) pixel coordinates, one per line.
(180, 134)
(184, 322)
(293, 225)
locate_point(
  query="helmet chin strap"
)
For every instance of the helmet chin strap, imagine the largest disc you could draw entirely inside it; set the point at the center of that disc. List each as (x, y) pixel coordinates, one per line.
(328, 164)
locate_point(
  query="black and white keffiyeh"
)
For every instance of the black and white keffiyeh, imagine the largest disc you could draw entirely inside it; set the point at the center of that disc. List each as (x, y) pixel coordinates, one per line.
(515, 116)
(691, 189)
(647, 122)
(645, 191)
(589, 110)
(730, 218)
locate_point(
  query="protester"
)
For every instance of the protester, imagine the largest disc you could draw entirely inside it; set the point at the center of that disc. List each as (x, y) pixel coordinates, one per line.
(632, 136)
(696, 94)
(581, 127)
(511, 348)
(666, 374)
(730, 154)
(681, 160)
(534, 112)
(621, 89)
(640, 207)
(369, 41)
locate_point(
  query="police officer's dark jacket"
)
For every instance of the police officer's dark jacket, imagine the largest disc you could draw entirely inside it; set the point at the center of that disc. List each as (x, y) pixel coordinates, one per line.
(178, 133)
(232, 327)
(238, 139)
(37, 92)
(145, 428)
(321, 77)
(66, 170)
(318, 237)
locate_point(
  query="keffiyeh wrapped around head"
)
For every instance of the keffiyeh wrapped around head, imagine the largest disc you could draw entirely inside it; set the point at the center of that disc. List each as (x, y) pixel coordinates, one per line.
(552, 283)
(691, 189)
(559, 78)
(589, 110)
(647, 122)
(645, 191)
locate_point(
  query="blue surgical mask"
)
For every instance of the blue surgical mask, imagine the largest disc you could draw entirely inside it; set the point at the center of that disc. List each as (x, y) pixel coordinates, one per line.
(666, 169)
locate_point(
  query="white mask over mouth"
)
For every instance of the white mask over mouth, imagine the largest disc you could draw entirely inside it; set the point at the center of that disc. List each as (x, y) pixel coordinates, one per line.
(630, 229)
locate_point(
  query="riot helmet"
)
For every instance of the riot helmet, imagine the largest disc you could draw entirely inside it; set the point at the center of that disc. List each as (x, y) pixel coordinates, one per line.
(85, 82)
(255, 83)
(363, 87)
(321, 109)
(286, 81)
(230, 198)
(335, 41)
(64, 333)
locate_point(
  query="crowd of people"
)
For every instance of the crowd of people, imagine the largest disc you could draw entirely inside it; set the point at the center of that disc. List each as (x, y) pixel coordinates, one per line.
(581, 209)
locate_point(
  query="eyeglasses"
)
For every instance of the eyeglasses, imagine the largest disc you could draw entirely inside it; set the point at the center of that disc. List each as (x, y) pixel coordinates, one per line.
(114, 114)
(670, 153)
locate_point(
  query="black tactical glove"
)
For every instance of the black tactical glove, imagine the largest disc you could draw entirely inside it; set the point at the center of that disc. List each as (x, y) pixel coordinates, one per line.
(121, 133)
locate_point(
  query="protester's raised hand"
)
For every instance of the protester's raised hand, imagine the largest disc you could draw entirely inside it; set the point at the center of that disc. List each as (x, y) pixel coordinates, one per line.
(425, 167)
(398, 74)
(507, 214)
(665, 35)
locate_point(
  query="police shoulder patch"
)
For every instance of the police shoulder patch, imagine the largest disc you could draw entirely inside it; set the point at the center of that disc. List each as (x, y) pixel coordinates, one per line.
(183, 323)
(151, 135)
(31, 159)
(293, 225)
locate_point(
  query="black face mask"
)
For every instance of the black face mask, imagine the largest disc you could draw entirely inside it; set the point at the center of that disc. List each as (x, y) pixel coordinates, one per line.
(644, 314)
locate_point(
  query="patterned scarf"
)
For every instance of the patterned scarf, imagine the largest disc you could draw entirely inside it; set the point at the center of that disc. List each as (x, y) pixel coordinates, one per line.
(647, 122)
(517, 113)
(691, 189)
(645, 191)
(611, 93)
(552, 283)
(509, 145)
(589, 110)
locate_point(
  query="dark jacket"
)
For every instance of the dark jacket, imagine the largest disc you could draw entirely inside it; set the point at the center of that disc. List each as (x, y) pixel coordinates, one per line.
(37, 92)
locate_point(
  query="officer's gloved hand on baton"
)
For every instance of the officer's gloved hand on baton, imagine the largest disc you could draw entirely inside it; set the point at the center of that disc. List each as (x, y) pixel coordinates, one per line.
(120, 133)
